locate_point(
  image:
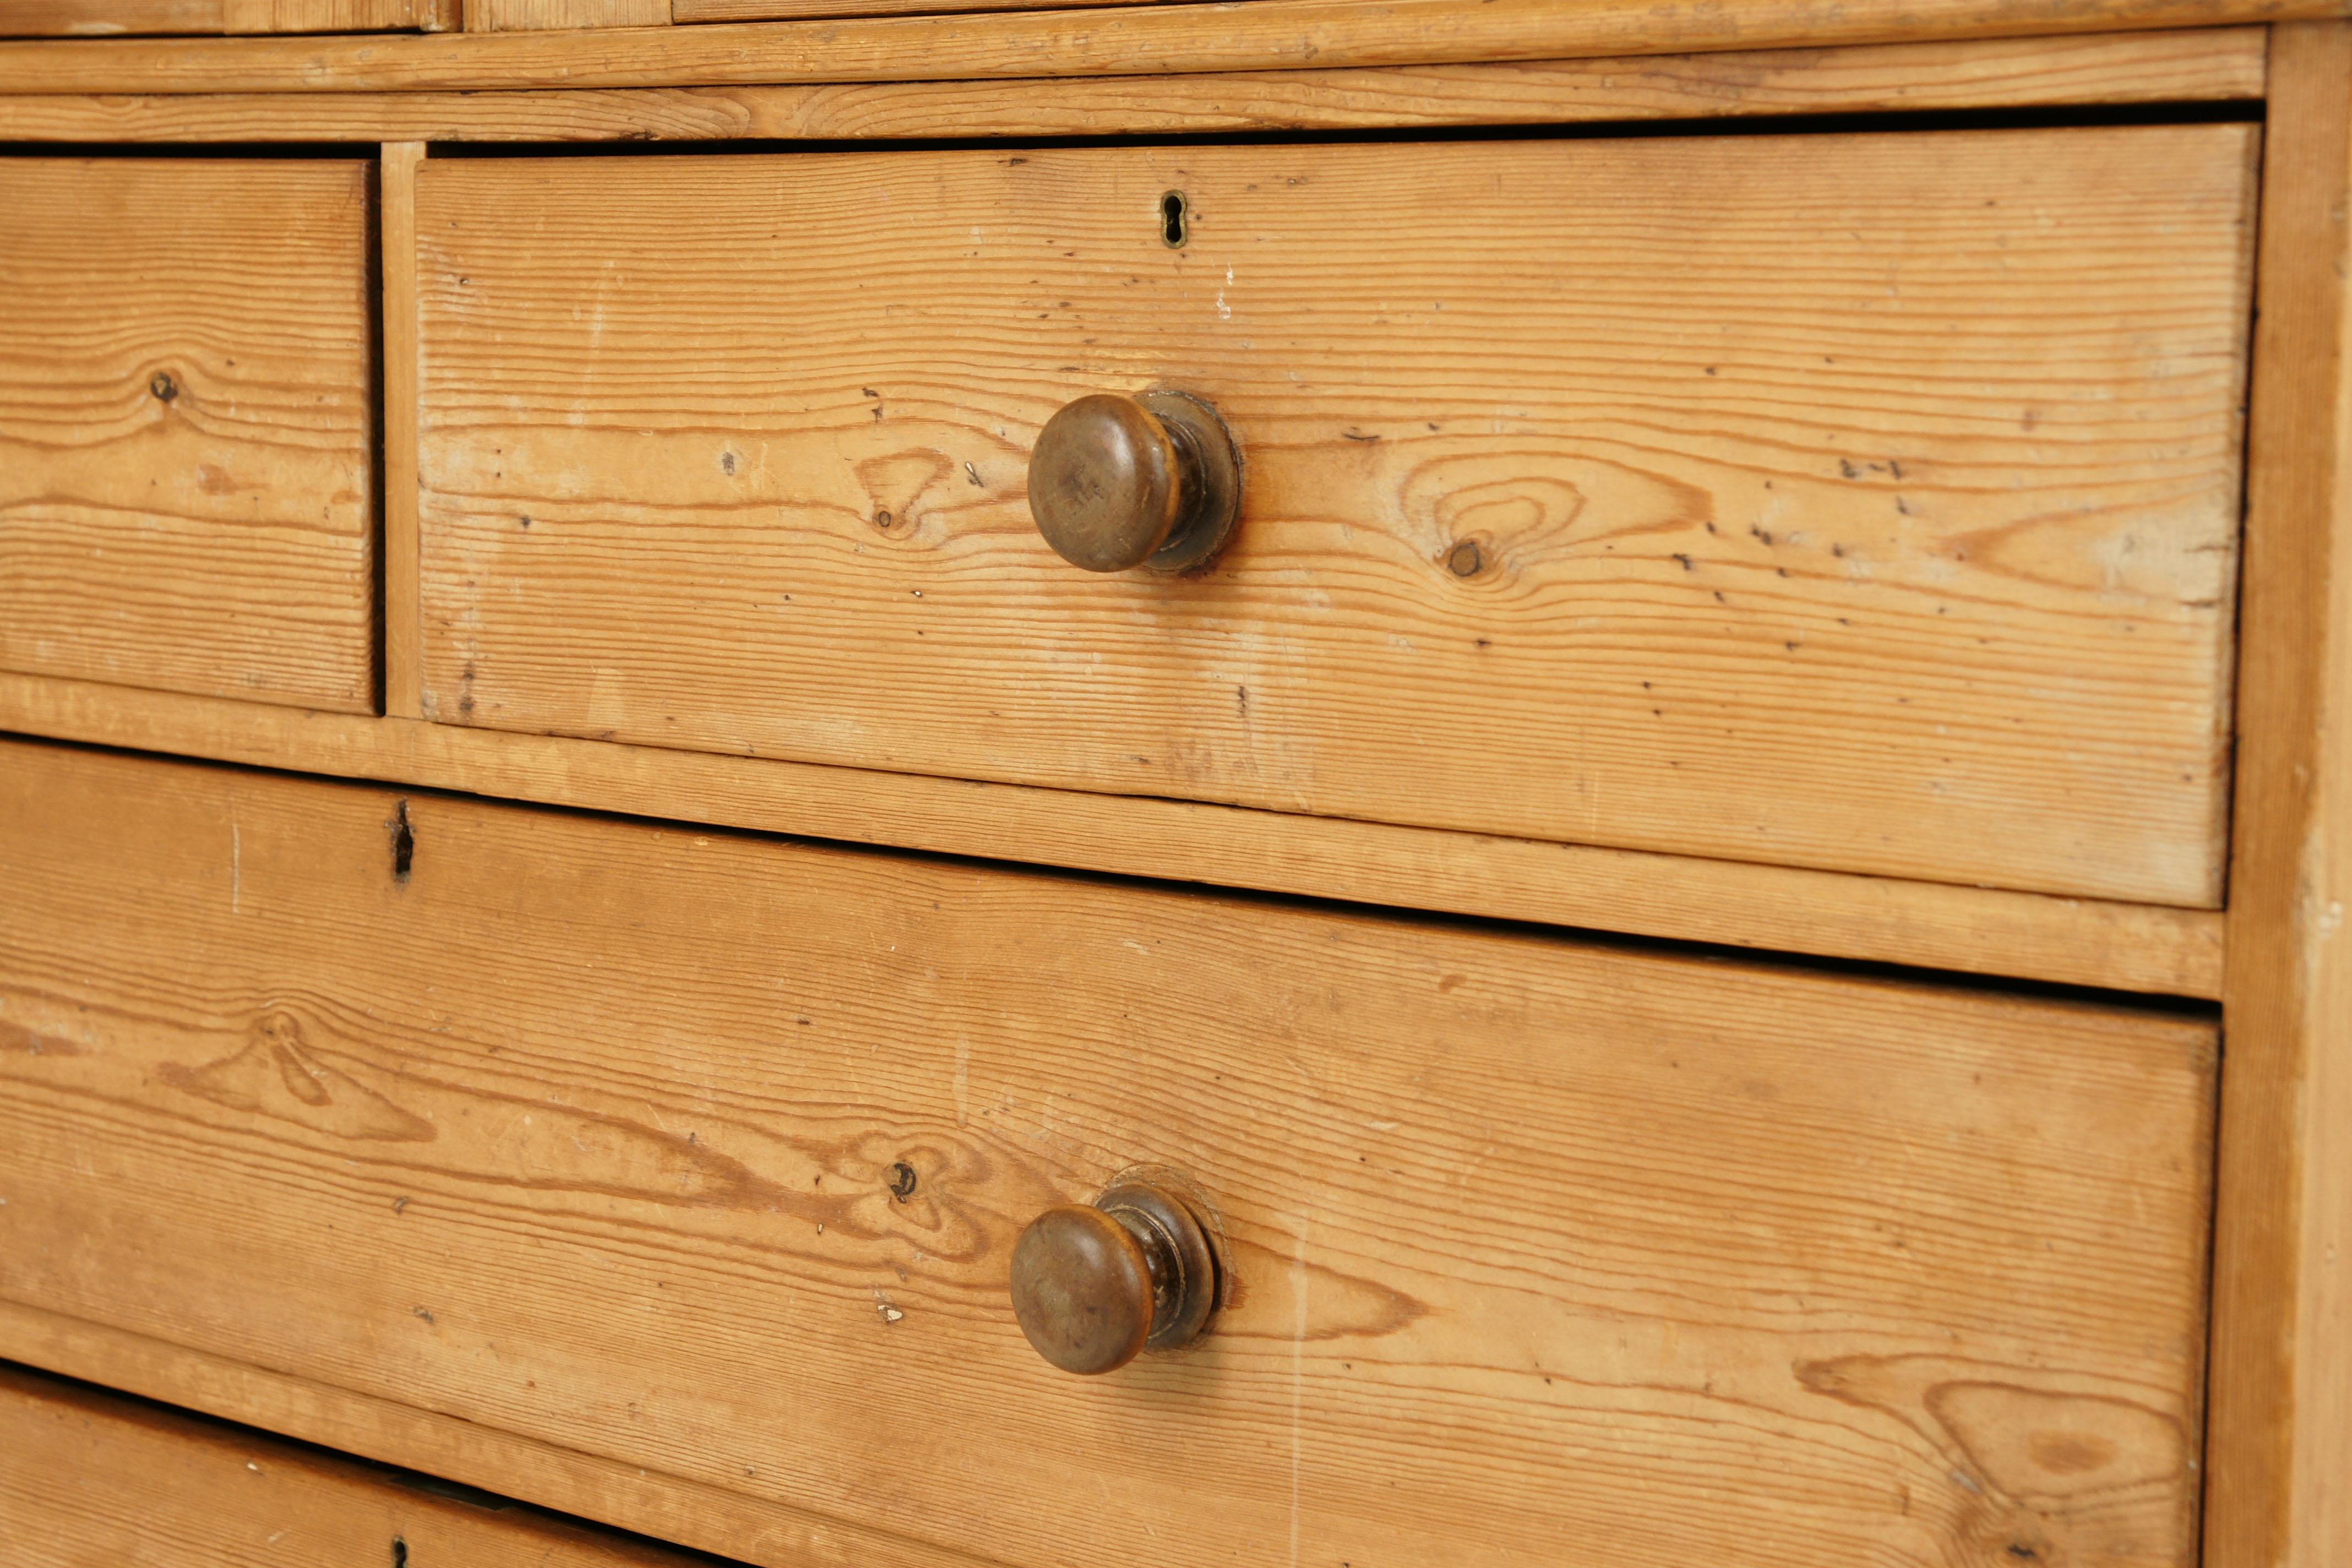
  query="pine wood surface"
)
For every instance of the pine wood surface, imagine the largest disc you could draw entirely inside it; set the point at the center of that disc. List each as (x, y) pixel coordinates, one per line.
(1795, 532)
(706, 11)
(2080, 941)
(1122, 40)
(2281, 1420)
(2219, 64)
(1538, 1248)
(105, 18)
(94, 1481)
(402, 619)
(525, 15)
(185, 425)
(666, 1508)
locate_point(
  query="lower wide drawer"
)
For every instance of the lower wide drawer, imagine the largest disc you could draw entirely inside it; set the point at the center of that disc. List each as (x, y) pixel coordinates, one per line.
(89, 1481)
(707, 1153)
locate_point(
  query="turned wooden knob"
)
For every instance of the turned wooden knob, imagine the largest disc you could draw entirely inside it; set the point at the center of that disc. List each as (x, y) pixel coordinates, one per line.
(1152, 480)
(1095, 1285)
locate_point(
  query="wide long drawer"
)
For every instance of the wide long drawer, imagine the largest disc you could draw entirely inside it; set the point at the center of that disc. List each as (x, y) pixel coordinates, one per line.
(187, 425)
(708, 1154)
(1862, 501)
(90, 1481)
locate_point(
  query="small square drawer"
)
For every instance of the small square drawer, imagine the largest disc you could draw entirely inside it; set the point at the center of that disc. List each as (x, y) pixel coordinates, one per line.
(187, 426)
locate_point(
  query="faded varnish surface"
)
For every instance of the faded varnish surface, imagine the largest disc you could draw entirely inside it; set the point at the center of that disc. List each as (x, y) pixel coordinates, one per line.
(185, 431)
(1544, 1253)
(1112, 40)
(2155, 948)
(1859, 503)
(2281, 1415)
(108, 18)
(2142, 68)
(90, 1481)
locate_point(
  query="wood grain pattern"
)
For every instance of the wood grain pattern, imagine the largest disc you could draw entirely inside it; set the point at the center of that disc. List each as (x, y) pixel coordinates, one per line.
(770, 10)
(403, 616)
(666, 1508)
(2281, 1420)
(1787, 1268)
(2144, 948)
(1119, 40)
(2218, 64)
(91, 1480)
(107, 18)
(526, 15)
(1753, 522)
(185, 429)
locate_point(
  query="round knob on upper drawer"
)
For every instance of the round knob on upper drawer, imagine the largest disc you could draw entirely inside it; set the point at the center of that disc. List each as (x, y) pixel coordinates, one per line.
(1095, 1285)
(1152, 480)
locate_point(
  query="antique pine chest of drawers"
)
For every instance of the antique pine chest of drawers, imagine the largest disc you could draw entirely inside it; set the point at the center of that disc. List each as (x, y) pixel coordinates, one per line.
(1359, 782)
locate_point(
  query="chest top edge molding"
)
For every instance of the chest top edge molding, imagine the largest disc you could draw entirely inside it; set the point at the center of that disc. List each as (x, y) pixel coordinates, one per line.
(1240, 36)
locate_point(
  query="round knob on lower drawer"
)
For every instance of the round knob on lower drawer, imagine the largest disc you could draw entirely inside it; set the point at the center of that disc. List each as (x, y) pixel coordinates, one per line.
(1152, 480)
(1095, 1285)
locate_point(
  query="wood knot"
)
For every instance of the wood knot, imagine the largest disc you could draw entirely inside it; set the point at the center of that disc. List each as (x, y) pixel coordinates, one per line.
(163, 388)
(1466, 558)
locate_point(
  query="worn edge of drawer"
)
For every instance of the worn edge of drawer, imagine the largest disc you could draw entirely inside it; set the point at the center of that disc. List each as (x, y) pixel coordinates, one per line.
(628, 1497)
(1830, 914)
(1110, 41)
(133, 1443)
(2218, 65)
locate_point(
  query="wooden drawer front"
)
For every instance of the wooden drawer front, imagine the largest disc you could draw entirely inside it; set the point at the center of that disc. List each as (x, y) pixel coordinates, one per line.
(87, 1480)
(1865, 502)
(585, 1130)
(114, 18)
(186, 429)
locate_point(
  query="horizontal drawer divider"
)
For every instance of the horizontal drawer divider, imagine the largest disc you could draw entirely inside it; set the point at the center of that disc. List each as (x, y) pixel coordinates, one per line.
(1981, 931)
(2211, 66)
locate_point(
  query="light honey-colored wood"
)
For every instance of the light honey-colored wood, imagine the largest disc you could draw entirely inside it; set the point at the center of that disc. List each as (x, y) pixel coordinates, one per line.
(93, 1479)
(665, 1507)
(105, 18)
(2206, 66)
(1861, 503)
(185, 425)
(529, 16)
(2281, 1434)
(1119, 40)
(770, 10)
(1541, 1253)
(2077, 942)
(403, 618)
